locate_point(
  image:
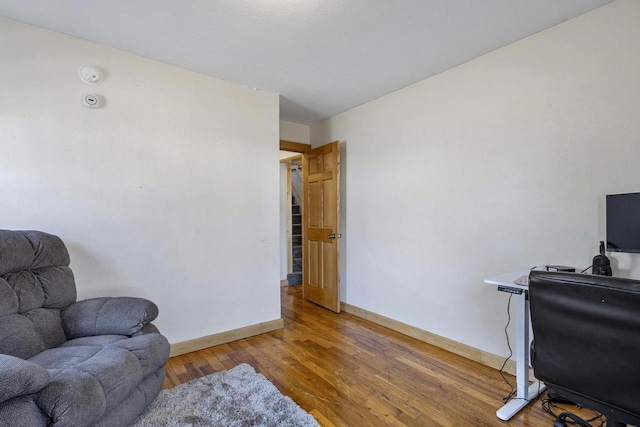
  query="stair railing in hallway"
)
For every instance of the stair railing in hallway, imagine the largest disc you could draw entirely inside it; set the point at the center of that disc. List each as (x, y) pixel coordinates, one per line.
(296, 184)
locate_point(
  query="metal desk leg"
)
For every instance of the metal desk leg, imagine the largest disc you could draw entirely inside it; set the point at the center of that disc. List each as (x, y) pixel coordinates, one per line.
(524, 391)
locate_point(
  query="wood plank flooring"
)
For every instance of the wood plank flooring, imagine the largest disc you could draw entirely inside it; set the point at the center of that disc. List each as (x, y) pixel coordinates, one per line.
(349, 372)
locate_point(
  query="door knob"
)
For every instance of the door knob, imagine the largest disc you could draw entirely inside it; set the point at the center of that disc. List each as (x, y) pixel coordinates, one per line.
(333, 236)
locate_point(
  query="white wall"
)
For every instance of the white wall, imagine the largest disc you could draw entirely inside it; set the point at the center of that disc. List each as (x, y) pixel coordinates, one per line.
(294, 132)
(169, 192)
(499, 164)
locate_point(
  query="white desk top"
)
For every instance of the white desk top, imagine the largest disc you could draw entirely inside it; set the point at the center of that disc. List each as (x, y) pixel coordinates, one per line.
(506, 280)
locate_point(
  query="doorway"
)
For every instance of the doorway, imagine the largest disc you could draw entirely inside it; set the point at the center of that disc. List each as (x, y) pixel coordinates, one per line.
(319, 222)
(291, 261)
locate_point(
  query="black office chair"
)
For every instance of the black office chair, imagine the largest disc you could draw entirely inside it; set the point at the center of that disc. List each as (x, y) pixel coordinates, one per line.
(587, 341)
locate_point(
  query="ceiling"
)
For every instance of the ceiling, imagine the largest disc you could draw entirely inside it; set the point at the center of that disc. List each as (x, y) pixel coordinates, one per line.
(322, 56)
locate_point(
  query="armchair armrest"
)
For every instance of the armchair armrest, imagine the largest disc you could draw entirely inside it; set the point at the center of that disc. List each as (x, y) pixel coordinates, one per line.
(107, 316)
(20, 377)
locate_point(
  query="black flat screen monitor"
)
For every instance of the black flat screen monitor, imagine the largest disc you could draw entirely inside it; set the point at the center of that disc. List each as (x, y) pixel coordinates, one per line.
(623, 222)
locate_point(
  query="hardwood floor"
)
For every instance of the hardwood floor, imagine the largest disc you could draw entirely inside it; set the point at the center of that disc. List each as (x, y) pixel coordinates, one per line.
(350, 372)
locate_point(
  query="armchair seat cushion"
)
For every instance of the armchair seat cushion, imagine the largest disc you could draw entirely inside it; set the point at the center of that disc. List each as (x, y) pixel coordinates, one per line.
(90, 380)
(151, 350)
(98, 340)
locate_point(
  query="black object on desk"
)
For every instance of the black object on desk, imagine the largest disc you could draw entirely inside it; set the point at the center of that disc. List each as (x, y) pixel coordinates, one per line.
(562, 268)
(601, 264)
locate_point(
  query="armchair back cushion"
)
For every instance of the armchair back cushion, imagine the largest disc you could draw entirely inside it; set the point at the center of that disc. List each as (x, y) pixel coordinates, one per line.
(36, 283)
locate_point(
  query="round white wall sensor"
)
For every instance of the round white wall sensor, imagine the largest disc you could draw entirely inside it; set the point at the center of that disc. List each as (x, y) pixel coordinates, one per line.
(90, 74)
(91, 100)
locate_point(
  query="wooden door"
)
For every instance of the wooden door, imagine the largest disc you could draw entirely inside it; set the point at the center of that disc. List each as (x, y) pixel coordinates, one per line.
(321, 226)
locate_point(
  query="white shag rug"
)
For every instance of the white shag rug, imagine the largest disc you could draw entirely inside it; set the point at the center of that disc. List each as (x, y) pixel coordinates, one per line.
(239, 397)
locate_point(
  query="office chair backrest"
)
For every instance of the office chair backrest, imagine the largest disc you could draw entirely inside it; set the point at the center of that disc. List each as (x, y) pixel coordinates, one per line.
(587, 340)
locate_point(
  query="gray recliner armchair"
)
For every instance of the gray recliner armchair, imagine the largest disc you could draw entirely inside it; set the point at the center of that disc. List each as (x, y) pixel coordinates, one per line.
(96, 362)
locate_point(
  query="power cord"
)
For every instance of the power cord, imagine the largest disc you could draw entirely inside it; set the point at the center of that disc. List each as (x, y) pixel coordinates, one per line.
(512, 392)
(565, 417)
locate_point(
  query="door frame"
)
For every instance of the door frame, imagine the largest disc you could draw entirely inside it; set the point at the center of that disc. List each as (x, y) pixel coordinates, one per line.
(296, 147)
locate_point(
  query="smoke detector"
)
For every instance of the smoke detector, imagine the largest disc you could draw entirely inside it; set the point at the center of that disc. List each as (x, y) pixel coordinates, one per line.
(90, 74)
